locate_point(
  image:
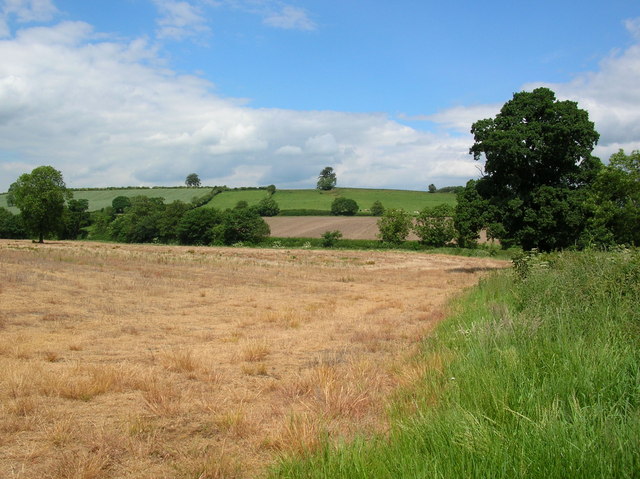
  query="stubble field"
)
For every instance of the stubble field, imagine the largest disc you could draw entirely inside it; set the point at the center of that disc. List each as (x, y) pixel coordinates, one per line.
(127, 361)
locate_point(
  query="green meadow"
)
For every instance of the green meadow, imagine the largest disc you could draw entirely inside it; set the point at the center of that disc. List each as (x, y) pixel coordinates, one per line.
(321, 200)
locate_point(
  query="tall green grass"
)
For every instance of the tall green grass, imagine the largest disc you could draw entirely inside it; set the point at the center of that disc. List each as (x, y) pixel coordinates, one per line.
(535, 377)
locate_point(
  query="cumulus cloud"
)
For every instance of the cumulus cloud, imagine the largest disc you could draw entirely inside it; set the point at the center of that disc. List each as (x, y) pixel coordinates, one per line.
(24, 11)
(107, 112)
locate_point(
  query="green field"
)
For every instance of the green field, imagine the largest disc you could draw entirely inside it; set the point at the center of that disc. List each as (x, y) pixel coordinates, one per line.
(321, 200)
(99, 199)
(310, 199)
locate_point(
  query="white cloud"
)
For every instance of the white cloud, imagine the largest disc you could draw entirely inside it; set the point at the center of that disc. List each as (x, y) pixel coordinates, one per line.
(24, 11)
(180, 20)
(104, 113)
(290, 18)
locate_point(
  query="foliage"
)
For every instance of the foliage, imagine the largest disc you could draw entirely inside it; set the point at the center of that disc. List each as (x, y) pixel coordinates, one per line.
(268, 207)
(240, 225)
(271, 189)
(450, 189)
(120, 203)
(505, 399)
(344, 207)
(327, 179)
(169, 219)
(196, 226)
(469, 215)
(614, 203)
(434, 226)
(140, 224)
(242, 204)
(40, 196)
(394, 226)
(192, 180)
(537, 150)
(330, 238)
(75, 218)
(377, 209)
(11, 226)
(432, 188)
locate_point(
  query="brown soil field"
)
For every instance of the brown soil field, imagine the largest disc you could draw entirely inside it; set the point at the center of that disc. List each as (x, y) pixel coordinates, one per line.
(351, 227)
(130, 361)
(355, 227)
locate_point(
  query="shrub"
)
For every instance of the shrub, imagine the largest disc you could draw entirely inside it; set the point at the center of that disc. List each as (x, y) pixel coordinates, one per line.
(11, 225)
(120, 203)
(394, 226)
(377, 209)
(330, 238)
(344, 207)
(240, 225)
(196, 226)
(268, 207)
(434, 226)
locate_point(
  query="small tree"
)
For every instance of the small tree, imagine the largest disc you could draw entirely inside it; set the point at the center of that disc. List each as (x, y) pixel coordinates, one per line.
(40, 196)
(196, 226)
(434, 226)
(271, 189)
(432, 188)
(394, 226)
(344, 207)
(120, 203)
(193, 180)
(330, 238)
(75, 217)
(377, 209)
(327, 179)
(268, 207)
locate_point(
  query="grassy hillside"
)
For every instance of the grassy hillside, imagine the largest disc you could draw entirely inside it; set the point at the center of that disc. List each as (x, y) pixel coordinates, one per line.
(310, 199)
(321, 200)
(99, 199)
(535, 376)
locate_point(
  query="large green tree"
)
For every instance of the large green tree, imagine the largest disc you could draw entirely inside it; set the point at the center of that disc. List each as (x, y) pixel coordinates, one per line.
(537, 156)
(40, 196)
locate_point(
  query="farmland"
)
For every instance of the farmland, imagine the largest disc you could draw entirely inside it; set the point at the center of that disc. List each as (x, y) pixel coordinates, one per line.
(321, 200)
(287, 199)
(134, 361)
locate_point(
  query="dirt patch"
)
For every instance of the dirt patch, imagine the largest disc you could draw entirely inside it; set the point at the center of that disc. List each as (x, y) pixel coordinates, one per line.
(130, 361)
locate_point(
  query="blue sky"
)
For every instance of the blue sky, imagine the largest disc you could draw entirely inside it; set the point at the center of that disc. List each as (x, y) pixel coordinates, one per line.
(248, 92)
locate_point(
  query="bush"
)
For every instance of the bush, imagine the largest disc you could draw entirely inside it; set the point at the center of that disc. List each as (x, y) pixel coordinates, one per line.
(196, 226)
(377, 209)
(268, 207)
(330, 238)
(239, 226)
(434, 226)
(344, 207)
(394, 226)
(120, 203)
(11, 226)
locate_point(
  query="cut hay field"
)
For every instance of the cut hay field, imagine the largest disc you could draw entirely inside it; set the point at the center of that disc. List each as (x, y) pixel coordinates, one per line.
(130, 361)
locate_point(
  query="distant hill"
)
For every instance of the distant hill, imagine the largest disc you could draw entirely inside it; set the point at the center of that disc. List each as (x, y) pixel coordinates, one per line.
(309, 199)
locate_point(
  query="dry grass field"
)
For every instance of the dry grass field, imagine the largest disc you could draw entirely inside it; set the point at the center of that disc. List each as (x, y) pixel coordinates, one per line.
(127, 361)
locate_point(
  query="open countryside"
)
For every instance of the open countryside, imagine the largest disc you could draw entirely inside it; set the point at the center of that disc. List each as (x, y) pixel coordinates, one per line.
(155, 361)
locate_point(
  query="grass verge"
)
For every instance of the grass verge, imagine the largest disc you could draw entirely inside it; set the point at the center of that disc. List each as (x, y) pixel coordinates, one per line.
(535, 375)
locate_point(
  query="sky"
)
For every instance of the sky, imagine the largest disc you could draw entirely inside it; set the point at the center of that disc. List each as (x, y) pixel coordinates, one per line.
(259, 92)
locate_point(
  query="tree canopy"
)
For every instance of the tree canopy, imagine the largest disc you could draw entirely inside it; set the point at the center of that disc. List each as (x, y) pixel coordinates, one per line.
(192, 180)
(537, 154)
(40, 196)
(327, 179)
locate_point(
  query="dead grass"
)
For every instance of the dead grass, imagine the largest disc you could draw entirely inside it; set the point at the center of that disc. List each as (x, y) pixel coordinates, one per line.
(123, 361)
